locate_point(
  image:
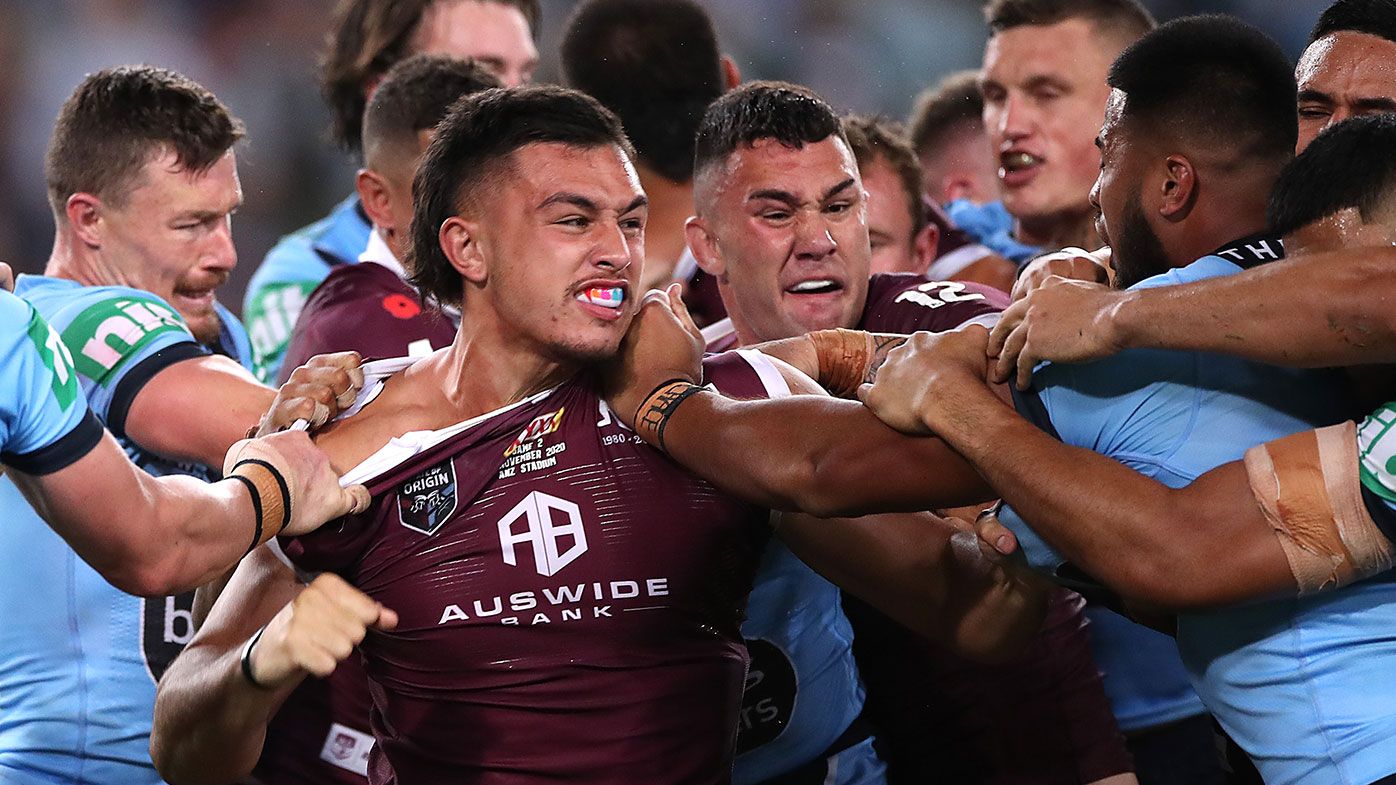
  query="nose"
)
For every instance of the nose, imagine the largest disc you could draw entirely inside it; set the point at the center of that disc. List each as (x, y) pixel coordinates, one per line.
(612, 249)
(1014, 121)
(222, 254)
(1094, 195)
(813, 240)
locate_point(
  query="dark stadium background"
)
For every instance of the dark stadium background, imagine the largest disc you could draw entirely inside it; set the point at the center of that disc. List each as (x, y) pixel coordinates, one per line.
(258, 56)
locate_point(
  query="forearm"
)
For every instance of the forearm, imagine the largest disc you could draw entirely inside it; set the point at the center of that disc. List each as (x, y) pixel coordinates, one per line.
(210, 723)
(1142, 539)
(1308, 312)
(147, 536)
(820, 455)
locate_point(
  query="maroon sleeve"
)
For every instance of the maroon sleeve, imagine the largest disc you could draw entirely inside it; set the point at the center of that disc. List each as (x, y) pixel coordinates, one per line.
(736, 377)
(906, 303)
(365, 308)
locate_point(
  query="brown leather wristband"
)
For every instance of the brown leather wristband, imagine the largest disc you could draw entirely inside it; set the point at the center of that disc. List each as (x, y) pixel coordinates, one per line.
(653, 415)
(844, 356)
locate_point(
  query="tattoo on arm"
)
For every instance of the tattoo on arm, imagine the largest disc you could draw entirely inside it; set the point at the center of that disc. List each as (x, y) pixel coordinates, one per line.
(882, 345)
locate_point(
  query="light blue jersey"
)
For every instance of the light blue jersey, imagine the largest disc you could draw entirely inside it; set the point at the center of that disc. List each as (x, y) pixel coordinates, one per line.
(1303, 685)
(44, 420)
(802, 689)
(78, 658)
(293, 268)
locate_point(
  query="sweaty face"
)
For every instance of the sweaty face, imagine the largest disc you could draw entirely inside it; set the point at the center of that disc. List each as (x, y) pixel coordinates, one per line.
(1044, 92)
(1344, 75)
(791, 234)
(496, 35)
(1121, 222)
(172, 236)
(890, 222)
(563, 240)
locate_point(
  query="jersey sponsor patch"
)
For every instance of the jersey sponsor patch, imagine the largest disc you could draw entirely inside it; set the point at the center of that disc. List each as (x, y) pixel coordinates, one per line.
(1376, 452)
(768, 701)
(347, 748)
(428, 499)
(167, 625)
(270, 316)
(108, 333)
(56, 358)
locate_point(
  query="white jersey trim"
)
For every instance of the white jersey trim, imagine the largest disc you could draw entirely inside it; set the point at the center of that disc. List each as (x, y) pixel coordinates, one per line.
(953, 263)
(771, 377)
(717, 330)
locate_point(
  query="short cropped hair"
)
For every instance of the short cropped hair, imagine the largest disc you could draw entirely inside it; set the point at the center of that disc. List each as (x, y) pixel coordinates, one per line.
(479, 134)
(366, 38)
(119, 118)
(787, 113)
(656, 64)
(416, 94)
(1126, 18)
(1352, 164)
(874, 138)
(945, 109)
(1216, 78)
(1373, 17)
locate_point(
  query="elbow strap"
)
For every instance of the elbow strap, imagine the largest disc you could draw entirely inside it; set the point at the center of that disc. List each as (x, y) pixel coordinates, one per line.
(1309, 488)
(844, 357)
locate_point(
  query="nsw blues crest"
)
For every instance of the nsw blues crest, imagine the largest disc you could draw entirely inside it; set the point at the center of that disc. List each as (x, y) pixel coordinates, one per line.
(428, 499)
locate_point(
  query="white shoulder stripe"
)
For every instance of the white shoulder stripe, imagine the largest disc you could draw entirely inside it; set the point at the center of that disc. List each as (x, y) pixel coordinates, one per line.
(770, 376)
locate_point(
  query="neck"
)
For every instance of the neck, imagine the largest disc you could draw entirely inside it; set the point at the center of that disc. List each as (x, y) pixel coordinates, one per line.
(1235, 210)
(670, 206)
(485, 369)
(1057, 232)
(72, 260)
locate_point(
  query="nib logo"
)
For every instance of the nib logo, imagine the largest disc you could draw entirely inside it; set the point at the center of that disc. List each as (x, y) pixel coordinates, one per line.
(547, 520)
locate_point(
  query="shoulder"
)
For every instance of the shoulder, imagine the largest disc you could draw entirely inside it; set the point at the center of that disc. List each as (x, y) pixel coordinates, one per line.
(750, 374)
(1211, 266)
(107, 327)
(905, 303)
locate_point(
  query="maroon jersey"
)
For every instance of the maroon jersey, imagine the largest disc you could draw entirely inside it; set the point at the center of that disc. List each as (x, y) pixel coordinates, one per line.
(569, 598)
(365, 308)
(321, 734)
(900, 303)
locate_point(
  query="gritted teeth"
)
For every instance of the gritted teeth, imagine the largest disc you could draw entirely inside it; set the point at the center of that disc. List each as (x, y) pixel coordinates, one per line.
(606, 297)
(816, 286)
(1019, 160)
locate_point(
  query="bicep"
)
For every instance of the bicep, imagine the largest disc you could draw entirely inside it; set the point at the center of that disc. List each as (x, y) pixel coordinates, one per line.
(194, 410)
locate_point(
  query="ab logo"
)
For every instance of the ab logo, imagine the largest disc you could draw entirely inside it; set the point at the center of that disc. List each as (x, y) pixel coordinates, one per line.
(167, 624)
(542, 521)
(427, 500)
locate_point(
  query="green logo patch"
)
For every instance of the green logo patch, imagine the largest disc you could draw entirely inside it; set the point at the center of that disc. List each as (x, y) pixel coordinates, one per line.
(56, 358)
(108, 333)
(270, 316)
(1376, 452)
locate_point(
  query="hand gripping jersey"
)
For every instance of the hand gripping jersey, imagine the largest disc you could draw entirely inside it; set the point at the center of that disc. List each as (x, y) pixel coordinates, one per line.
(321, 733)
(45, 424)
(291, 271)
(78, 658)
(569, 598)
(1299, 683)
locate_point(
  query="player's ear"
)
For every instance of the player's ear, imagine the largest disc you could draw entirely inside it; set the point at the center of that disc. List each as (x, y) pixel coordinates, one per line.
(460, 241)
(83, 212)
(731, 75)
(1178, 190)
(375, 197)
(704, 247)
(924, 245)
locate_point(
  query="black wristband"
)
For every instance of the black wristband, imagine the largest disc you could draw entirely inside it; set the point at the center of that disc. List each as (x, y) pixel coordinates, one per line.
(247, 660)
(280, 483)
(256, 509)
(652, 418)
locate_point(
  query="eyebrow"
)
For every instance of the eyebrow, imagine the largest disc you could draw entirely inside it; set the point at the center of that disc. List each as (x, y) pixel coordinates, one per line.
(1376, 103)
(1315, 96)
(775, 194)
(585, 203)
(1045, 80)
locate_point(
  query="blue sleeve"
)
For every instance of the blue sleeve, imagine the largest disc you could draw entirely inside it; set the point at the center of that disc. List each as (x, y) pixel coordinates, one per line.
(45, 424)
(120, 339)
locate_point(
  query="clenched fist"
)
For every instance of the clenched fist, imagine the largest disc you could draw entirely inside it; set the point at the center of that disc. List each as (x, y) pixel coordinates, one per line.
(316, 631)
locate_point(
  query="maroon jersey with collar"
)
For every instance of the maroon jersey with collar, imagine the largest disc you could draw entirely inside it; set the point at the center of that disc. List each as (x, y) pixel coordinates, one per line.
(569, 600)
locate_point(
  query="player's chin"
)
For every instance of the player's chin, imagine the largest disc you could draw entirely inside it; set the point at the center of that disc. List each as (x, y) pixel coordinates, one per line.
(206, 327)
